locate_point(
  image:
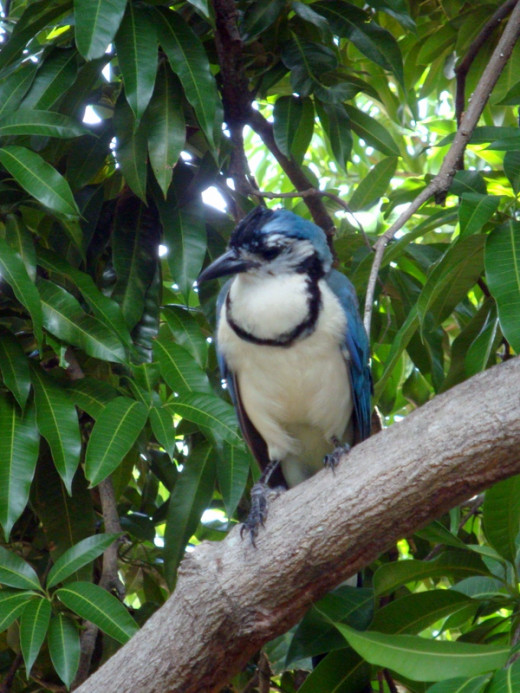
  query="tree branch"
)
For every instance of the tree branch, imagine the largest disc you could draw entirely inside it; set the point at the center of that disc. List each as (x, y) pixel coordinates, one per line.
(442, 181)
(231, 598)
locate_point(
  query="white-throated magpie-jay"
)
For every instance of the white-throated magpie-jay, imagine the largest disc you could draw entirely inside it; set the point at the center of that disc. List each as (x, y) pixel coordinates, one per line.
(292, 348)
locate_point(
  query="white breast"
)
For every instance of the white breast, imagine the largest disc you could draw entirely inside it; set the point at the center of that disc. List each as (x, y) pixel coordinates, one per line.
(298, 397)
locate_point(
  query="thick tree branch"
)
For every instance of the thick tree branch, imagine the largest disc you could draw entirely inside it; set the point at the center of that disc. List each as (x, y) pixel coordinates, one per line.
(442, 181)
(231, 599)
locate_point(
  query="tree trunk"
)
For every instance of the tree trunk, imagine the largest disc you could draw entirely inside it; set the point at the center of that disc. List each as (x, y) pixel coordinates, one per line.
(232, 598)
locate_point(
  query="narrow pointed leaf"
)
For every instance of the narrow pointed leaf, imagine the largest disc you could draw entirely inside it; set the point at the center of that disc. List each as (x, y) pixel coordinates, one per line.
(33, 122)
(501, 515)
(512, 169)
(39, 179)
(187, 332)
(341, 671)
(502, 261)
(420, 659)
(114, 433)
(214, 415)
(293, 125)
(14, 367)
(163, 430)
(374, 185)
(57, 421)
(190, 63)
(165, 126)
(336, 125)
(22, 241)
(136, 45)
(476, 210)
(233, 465)
(34, 623)
(64, 647)
(178, 367)
(15, 572)
(91, 395)
(13, 270)
(131, 149)
(87, 156)
(463, 685)
(15, 86)
(258, 17)
(18, 455)
(372, 131)
(55, 76)
(96, 24)
(12, 603)
(190, 497)
(95, 604)
(77, 556)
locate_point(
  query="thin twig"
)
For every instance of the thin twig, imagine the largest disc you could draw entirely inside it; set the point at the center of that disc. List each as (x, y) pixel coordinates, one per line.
(8, 681)
(442, 181)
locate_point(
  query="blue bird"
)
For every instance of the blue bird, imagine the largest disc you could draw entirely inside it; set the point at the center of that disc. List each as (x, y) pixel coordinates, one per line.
(292, 348)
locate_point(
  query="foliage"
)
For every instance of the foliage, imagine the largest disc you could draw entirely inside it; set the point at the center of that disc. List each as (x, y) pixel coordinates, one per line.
(110, 138)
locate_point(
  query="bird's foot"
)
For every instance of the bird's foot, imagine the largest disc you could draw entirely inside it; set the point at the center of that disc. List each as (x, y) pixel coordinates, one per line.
(261, 495)
(331, 461)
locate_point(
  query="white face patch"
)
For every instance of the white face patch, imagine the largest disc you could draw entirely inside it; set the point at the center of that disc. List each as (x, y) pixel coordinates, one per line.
(293, 252)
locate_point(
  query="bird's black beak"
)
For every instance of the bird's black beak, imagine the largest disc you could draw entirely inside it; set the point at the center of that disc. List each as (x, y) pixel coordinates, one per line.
(229, 263)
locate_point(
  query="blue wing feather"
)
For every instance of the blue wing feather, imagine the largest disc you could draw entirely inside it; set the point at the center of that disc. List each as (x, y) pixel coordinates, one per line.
(356, 342)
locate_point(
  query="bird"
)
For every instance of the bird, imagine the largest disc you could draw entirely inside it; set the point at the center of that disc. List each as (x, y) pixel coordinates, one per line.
(292, 350)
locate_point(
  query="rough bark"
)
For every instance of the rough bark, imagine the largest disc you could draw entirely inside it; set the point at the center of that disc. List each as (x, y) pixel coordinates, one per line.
(231, 599)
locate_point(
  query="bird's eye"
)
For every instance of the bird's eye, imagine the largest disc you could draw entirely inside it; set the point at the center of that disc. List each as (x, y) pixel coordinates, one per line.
(272, 252)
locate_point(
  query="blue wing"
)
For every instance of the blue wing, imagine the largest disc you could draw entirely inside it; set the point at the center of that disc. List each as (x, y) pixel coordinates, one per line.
(356, 342)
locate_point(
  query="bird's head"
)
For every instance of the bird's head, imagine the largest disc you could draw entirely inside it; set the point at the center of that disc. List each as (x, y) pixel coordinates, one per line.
(273, 242)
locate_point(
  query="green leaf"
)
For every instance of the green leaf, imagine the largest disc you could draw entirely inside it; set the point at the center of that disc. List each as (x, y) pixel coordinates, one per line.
(336, 125)
(15, 572)
(95, 604)
(185, 238)
(77, 556)
(258, 17)
(87, 155)
(64, 647)
(502, 261)
(476, 210)
(55, 76)
(501, 515)
(478, 355)
(18, 455)
(374, 185)
(14, 366)
(40, 180)
(136, 45)
(34, 623)
(21, 240)
(12, 603)
(189, 61)
(187, 332)
(63, 317)
(377, 44)
(163, 429)
(461, 685)
(390, 576)
(103, 307)
(512, 169)
(339, 672)
(233, 465)
(372, 131)
(178, 367)
(210, 413)
(505, 680)
(14, 87)
(33, 122)
(190, 497)
(308, 61)
(165, 126)
(293, 125)
(91, 395)
(96, 24)
(451, 278)
(114, 433)
(420, 659)
(13, 270)
(57, 421)
(131, 149)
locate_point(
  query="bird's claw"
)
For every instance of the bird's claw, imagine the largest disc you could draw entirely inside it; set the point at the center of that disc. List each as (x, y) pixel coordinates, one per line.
(261, 494)
(332, 460)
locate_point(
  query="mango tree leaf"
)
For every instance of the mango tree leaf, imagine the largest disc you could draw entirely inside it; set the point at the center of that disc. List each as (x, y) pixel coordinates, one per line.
(210, 412)
(505, 680)
(342, 671)
(39, 179)
(54, 77)
(190, 497)
(372, 131)
(14, 367)
(461, 685)
(63, 317)
(57, 421)
(12, 603)
(77, 556)
(91, 395)
(336, 125)
(21, 240)
(64, 647)
(131, 148)
(502, 261)
(512, 169)
(501, 515)
(420, 659)
(86, 156)
(15, 274)
(162, 428)
(136, 45)
(478, 355)
(33, 122)
(96, 24)
(189, 61)
(187, 332)
(293, 125)
(307, 61)
(476, 210)
(34, 623)
(178, 367)
(233, 465)
(18, 455)
(14, 87)
(374, 185)
(114, 433)
(15, 572)
(165, 126)
(258, 17)
(95, 604)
